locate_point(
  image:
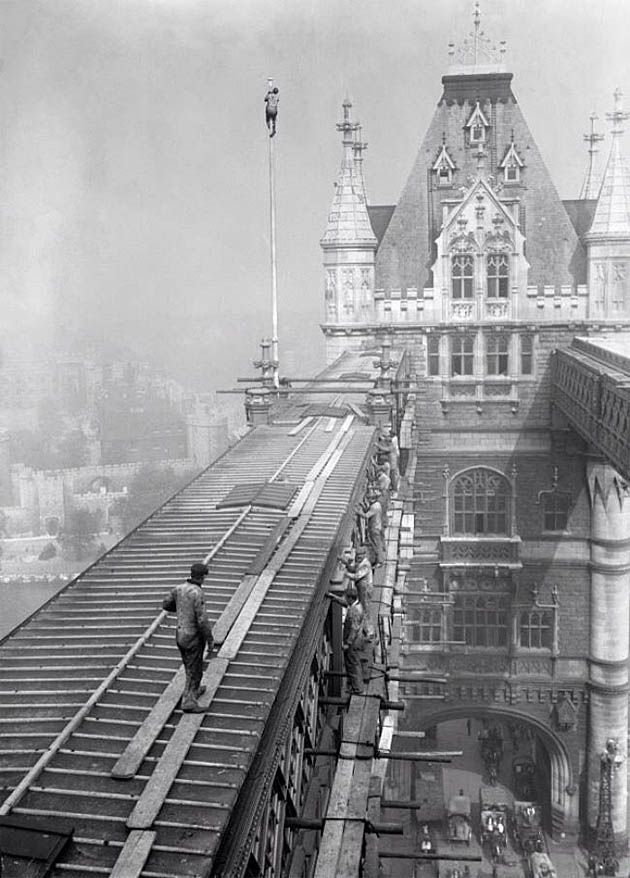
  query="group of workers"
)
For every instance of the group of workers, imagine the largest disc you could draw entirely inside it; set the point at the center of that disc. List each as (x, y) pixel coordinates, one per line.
(384, 477)
(194, 631)
(358, 630)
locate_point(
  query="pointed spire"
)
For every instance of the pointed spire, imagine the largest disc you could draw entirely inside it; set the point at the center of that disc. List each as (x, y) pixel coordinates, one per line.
(358, 148)
(612, 214)
(348, 220)
(590, 186)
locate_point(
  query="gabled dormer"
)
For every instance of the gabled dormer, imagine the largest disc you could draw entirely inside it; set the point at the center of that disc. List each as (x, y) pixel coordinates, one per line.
(444, 166)
(512, 164)
(477, 126)
(480, 268)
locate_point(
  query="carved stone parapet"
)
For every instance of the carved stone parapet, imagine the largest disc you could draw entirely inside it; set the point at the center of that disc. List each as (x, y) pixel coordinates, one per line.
(494, 552)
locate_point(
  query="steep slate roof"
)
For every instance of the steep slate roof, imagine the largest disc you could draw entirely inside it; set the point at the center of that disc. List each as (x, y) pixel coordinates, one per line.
(380, 215)
(407, 249)
(581, 212)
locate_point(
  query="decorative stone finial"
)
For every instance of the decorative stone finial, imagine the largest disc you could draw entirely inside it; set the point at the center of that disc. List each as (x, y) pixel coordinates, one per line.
(617, 116)
(477, 50)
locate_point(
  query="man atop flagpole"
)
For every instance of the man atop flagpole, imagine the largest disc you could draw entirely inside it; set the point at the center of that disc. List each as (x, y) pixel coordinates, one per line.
(271, 111)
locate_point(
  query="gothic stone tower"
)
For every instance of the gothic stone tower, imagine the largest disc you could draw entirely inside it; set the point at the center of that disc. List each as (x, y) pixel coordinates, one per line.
(515, 591)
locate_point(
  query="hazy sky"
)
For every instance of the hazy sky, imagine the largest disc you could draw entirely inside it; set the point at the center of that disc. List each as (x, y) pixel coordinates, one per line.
(133, 172)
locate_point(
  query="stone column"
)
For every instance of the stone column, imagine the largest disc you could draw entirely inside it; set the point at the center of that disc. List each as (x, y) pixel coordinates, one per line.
(609, 638)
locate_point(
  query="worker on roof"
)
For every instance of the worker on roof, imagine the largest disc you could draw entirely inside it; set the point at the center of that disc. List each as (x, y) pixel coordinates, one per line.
(374, 520)
(193, 632)
(360, 572)
(353, 641)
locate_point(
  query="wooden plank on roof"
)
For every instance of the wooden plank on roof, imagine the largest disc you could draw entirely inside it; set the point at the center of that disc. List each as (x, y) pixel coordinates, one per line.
(340, 791)
(349, 862)
(299, 427)
(357, 802)
(358, 411)
(136, 750)
(267, 549)
(234, 606)
(150, 802)
(134, 854)
(329, 849)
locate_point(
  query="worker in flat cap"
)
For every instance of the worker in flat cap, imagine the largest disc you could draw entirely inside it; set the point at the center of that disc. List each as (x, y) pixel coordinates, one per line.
(193, 632)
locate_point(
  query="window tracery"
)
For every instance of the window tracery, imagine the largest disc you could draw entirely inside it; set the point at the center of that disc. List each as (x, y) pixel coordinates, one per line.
(480, 503)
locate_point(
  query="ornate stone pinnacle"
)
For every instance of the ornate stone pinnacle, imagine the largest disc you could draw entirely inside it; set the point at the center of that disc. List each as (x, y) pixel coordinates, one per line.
(617, 116)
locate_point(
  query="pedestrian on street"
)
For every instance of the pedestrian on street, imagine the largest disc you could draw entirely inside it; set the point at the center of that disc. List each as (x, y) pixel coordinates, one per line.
(353, 641)
(194, 632)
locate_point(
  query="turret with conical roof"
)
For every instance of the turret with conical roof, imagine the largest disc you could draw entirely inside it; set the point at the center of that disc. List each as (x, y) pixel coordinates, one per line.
(349, 243)
(608, 239)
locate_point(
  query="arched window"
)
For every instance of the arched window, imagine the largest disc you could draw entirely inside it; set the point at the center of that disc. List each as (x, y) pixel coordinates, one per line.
(481, 619)
(462, 277)
(480, 503)
(536, 629)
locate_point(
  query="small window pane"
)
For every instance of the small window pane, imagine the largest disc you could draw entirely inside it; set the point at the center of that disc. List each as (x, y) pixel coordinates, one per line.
(433, 355)
(556, 510)
(462, 270)
(527, 349)
(497, 358)
(481, 620)
(462, 355)
(498, 278)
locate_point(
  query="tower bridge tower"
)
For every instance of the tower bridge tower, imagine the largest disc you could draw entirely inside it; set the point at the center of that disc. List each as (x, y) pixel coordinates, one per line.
(517, 589)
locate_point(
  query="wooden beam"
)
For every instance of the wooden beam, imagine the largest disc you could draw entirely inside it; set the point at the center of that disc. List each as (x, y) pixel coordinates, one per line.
(150, 802)
(136, 750)
(134, 854)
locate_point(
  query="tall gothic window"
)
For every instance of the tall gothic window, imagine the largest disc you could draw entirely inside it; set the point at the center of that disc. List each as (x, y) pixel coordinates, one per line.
(462, 355)
(481, 619)
(536, 629)
(498, 275)
(462, 270)
(480, 503)
(497, 354)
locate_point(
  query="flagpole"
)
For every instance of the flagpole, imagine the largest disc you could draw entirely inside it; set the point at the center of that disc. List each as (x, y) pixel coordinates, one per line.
(274, 272)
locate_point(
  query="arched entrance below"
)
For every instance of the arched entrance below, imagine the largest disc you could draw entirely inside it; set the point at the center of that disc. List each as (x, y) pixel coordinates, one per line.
(557, 785)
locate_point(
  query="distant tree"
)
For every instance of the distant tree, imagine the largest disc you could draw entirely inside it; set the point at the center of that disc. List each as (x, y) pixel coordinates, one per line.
(79, 533)
(49, 417)
(49, 551)
(150, 488)
(31, 449)
(72, 450)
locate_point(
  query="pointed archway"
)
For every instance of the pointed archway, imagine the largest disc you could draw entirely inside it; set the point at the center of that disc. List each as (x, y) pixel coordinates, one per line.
(563, 785)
